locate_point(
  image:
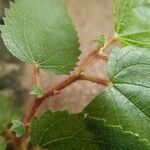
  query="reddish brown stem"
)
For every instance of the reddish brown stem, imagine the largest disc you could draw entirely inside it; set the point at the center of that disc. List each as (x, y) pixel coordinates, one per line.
(57, 89)
(109, 43)
(102, 81)
(51, 92)
(88, 60)
(72, 78)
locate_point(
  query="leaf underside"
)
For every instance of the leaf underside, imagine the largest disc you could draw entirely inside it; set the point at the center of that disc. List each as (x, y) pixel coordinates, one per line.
(41, 33)
(132, 23)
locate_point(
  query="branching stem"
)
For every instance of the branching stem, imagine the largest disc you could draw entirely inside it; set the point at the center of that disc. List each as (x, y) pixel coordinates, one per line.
(76, 75)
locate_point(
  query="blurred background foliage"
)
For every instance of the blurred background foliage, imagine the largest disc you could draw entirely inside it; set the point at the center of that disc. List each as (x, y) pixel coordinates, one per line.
(11, 68)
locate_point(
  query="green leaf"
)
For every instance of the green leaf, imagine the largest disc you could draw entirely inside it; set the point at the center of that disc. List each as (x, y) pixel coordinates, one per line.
(2, 143)
(127, 102)
(101, 40)
(61, 131)
(114, 138)
(132, 23)
(18, 128)
(7, 112)
(38, 91)
(41, 33)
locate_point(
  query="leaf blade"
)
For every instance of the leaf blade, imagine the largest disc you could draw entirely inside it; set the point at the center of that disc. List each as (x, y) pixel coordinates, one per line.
(114, 137)
(38, 91)
(42, 34)
(84, 133)
(47, 132)
(132, 23)
(18, 128)
(126, 105)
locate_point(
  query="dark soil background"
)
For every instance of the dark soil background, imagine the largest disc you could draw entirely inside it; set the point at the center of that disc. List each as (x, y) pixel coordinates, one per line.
(91, 18)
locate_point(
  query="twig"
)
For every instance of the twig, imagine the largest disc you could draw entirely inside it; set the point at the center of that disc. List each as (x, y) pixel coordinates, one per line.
(72, 78)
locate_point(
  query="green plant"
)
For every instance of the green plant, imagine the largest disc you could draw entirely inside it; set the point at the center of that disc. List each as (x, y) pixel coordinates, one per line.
(116, 119)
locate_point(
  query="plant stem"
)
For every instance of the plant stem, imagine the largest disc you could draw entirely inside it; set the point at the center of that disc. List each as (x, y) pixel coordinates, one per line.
(37, 75)
(88, 60)
(57, 89)
(76, 75)
(51, 92)
(102, 81)
(107, 44)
